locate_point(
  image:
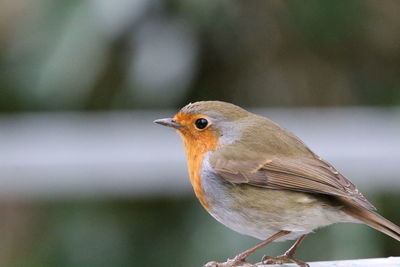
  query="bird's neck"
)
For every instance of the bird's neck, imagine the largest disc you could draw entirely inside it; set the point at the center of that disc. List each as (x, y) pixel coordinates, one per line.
(195, 152)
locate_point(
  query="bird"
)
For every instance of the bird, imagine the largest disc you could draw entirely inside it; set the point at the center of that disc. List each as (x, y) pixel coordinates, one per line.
(260, 180)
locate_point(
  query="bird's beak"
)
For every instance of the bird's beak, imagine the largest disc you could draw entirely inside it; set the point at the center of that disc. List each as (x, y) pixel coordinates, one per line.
(169, 122)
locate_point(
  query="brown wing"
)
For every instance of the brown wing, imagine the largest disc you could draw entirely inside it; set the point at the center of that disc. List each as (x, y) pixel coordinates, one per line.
(309, 174)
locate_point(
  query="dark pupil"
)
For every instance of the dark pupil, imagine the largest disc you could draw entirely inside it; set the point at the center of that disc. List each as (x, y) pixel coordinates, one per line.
(201, 123)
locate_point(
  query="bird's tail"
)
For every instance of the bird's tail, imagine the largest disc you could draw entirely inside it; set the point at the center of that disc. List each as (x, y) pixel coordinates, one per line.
(375, 220)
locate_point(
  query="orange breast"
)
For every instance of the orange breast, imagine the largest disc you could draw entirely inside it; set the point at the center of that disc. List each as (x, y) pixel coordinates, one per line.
(197, 144)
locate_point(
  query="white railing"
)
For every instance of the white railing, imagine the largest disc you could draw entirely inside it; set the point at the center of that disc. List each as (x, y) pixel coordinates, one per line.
(381, 262)
(124, 154)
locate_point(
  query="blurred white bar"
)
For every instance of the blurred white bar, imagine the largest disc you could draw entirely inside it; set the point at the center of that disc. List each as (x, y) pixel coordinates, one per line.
(123, 154)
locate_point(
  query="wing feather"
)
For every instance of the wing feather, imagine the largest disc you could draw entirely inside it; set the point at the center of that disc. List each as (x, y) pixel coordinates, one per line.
(308, 174)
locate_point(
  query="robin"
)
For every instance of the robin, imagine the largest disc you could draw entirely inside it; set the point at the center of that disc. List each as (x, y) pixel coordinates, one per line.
(259, 179)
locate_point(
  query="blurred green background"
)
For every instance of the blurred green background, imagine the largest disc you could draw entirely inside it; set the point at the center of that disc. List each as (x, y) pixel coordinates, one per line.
(105, 56)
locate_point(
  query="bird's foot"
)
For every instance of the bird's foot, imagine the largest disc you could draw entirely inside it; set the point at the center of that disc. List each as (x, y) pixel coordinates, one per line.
(237, 261)
(281, 260)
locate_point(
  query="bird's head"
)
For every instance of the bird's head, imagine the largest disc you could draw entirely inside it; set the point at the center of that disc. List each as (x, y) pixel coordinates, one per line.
(205, 125)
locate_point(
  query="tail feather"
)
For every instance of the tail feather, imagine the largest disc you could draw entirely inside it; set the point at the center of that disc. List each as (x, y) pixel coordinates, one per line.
(375, 220)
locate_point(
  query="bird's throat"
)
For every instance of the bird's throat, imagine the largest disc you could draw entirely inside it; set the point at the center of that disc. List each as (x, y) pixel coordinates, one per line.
(195, 152)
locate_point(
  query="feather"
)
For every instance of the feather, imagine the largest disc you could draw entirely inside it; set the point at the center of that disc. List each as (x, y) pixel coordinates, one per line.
(304, 173)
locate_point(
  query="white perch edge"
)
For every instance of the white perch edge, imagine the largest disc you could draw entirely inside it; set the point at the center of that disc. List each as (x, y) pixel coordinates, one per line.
(385, 262)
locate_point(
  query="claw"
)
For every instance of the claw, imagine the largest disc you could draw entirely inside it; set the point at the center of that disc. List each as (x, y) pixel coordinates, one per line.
(281, 260)
(211, 264)
(230, 263)
(240, 259)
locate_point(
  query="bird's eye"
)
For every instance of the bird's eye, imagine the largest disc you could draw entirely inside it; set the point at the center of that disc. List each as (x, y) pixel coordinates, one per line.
(201, 123)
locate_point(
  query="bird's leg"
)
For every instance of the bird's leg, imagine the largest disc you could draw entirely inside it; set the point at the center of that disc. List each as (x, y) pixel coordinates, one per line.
(240, 259)
(287, 256)
(290, 252)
